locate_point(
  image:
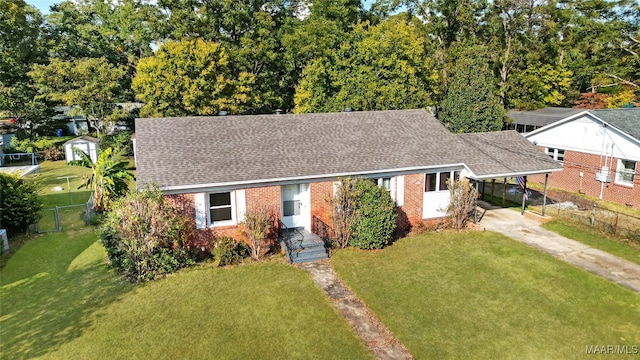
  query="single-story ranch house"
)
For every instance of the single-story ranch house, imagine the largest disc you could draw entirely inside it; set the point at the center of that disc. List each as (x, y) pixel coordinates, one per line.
(218, 167)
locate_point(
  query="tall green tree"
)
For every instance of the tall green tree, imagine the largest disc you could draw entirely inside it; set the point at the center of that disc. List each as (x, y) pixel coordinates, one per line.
(381, 67)
(470, 103)
(21, 46)
(191, 77)
(91, 86)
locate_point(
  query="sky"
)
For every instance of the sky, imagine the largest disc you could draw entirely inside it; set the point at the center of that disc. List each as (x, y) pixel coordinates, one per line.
(43, 5)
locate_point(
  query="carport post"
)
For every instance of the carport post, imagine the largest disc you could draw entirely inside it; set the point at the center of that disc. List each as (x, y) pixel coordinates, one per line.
(475, 206)
(544, 197)
(524, 194)
(504, 193)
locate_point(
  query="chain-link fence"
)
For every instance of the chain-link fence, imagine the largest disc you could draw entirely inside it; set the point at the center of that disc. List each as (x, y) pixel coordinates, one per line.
(65, 217)
(602, 220)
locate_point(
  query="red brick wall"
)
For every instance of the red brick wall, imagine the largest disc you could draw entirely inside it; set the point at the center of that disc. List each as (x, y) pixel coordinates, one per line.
(413, 194)
(185, 204)
(588, 164)
(320, 192)
(264, 197)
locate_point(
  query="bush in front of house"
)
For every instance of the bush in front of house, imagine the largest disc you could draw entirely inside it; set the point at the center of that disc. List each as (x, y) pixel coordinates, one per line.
(261, 230)
(19, 203)
(145, 237)
(228, 251)
(463, 198)
(375, 216)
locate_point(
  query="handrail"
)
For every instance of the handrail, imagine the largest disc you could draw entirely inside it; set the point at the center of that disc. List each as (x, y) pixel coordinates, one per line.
(288, 239)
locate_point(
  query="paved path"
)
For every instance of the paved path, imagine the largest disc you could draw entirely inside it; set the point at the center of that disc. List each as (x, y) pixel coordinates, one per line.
(373, 332)
(520, 228)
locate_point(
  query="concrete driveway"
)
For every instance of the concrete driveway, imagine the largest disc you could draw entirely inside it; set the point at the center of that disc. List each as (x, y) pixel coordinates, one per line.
(527, 231)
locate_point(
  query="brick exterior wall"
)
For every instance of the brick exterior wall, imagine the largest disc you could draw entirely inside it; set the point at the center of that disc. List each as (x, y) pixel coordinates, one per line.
(413, 195)
(577, 162)
(410, 213)
(264, 197)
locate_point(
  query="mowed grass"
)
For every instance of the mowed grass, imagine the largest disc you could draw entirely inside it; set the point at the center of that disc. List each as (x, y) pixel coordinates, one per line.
(60, 301)
(629, 251)
(480, 295)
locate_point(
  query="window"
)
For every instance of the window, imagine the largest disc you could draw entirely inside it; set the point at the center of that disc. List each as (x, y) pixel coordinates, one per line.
(626, 172)
(221, 208)
(444, 177)
(555, 154)
(438, 181)
(383, 183)
(430, 182)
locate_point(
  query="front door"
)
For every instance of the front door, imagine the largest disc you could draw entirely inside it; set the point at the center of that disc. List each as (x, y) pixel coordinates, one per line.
(295, 205)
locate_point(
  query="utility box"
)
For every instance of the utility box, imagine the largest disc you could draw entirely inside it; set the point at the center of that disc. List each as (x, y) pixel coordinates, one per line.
(603, 175)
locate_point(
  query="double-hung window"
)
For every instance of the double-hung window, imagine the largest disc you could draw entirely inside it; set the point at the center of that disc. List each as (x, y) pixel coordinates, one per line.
(438, 181)
(221, 208)
(626, 172)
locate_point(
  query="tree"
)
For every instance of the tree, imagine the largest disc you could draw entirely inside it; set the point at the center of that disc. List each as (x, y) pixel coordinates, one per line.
(91, 86)
(381, 67)
(191, 77)
(463, 197)
(145, 237)
(539, 86)
(21, 45)
(108, 180)
(470, 103)
(19, 203)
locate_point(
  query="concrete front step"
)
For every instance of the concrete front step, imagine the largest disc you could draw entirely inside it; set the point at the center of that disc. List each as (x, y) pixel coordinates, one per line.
(310, 249)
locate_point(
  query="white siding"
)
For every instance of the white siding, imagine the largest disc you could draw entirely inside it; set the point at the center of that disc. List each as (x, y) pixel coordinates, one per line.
(585, 134)
(241, 204)
(399, 190)
(201, 210)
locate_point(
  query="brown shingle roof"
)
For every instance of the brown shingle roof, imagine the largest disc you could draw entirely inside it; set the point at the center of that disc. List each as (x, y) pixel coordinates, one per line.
(504, 152)
(192, 151)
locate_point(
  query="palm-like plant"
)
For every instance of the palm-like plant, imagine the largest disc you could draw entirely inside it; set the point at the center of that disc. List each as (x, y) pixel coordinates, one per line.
(108, 180)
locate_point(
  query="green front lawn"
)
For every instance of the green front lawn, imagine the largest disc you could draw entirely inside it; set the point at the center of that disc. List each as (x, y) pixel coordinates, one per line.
(628, 251)
(60, 301)
(480, 295)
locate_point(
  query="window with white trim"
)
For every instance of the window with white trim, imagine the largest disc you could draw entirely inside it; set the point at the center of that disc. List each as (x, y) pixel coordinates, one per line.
(626, 172)
(383, 183)
(438, 181)
(555, 154)
(221, 209)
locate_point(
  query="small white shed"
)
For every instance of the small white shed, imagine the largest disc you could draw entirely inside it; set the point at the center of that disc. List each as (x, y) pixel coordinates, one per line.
(88, 144)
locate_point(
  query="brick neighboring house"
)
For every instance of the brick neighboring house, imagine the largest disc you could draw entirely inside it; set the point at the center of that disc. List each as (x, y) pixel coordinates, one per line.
(216, 168)
(600, 151)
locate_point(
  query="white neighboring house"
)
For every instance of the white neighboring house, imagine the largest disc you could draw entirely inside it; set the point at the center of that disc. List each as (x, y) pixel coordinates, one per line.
(600, 153)
(89, 145)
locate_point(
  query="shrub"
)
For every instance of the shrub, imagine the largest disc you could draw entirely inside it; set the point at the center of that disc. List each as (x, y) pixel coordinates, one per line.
(463, 197)
(19, 203)
(375, 216)
(227, 251)
(54, 153)
(343, 206)
(261, 229)
(145, 237)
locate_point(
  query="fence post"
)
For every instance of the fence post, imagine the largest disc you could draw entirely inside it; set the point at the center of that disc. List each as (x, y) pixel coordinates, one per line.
(56, 216)
(593, 215)
(615, 227)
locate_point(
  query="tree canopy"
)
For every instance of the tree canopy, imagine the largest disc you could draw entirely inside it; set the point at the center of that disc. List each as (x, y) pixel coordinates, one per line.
(319, 55)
